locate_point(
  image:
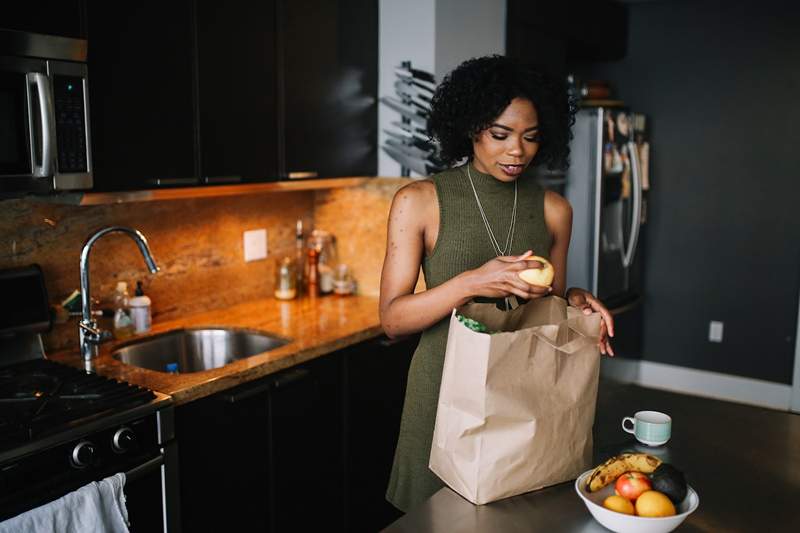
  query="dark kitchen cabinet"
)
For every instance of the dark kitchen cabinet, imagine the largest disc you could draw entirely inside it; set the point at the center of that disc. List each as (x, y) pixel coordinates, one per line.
(142, 94)
(376, 372)
(223, 455)
(555, 35)
(267, 455)
(328, 87)
(237, 80)
(65, 18)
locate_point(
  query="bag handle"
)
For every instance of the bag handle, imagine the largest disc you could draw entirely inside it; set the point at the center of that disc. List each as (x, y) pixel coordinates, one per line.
(576, 324)
(571, 346)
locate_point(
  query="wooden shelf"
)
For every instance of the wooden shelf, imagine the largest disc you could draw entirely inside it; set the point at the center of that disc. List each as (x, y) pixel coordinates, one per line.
(209, 191)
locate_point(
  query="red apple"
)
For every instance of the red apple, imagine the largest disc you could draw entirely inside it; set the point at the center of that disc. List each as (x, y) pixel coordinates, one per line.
(631, 484)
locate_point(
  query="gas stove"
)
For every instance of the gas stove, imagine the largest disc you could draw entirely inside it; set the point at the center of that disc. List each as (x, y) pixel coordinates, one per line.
(62, 427)
(42, 398)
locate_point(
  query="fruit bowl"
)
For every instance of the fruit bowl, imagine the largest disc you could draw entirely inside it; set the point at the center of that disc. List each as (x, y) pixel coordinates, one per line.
(623, 523)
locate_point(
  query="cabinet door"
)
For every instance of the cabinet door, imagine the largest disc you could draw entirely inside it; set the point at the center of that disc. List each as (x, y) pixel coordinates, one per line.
(50, 17)
(329, 89)
(307, 453)
(376, 374)
(223, 456)
(142, 101)
(237, 91)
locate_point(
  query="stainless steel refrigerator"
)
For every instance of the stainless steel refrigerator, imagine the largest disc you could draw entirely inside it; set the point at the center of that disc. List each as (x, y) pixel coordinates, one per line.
(607, 184)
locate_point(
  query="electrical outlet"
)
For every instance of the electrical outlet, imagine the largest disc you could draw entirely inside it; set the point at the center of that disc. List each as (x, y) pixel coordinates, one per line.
(255, 245)
(715, 331)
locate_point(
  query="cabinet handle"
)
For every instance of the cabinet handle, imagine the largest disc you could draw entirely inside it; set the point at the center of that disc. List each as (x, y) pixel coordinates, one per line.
(283, 380)
(290, 377)
(167, 182)
(212, 180)
(305, 174)
(249, 393)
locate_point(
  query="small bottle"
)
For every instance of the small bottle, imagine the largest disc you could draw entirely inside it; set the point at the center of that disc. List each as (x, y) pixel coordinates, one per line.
(300, 259)
(285, 280)
(312, 281)
(140, 310)
(123, 323)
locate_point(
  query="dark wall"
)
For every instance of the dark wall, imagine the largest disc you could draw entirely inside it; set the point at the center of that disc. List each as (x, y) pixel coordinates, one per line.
(721, 85)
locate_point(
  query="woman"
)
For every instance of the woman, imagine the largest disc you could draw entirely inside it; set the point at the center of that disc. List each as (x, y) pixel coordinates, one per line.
(472, 229)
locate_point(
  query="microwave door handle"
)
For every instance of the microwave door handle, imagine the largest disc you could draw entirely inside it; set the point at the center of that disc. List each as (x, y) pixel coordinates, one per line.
(637, 205)
(43, 168)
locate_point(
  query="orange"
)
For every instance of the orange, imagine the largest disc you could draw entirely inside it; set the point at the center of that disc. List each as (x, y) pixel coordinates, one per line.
(653, 504)
(618, 504)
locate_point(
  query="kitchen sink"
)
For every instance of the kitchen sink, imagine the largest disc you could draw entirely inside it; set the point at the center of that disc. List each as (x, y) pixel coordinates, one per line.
(195, 349)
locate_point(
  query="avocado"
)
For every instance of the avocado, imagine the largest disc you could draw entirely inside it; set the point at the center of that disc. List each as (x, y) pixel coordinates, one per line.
(669, 480)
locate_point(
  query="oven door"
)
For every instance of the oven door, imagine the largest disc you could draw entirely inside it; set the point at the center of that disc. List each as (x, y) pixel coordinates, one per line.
(27, 126)
(151, 486)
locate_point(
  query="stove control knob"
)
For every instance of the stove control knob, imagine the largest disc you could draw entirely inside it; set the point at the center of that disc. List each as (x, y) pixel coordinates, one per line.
(123, 440)
(83, 454)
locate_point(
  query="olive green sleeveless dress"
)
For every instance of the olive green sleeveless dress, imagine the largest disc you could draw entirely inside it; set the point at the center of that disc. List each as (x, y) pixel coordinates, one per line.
(462, 244)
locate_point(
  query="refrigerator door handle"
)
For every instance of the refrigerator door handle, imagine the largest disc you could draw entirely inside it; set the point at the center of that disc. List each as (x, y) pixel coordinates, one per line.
(627, 259)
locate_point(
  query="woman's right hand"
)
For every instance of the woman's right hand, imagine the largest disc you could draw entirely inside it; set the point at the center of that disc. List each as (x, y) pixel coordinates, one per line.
(499, 278)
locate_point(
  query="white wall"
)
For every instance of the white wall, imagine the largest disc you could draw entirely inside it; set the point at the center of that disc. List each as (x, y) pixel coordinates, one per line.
(435, 35)
(466, 29)
(407, 30)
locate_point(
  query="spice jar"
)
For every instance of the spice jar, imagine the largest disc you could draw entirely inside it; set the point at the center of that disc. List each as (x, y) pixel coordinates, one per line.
(343, 282)
(285, 280)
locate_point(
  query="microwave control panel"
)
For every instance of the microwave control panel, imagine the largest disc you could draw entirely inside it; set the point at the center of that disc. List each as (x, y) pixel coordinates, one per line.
(70, 110)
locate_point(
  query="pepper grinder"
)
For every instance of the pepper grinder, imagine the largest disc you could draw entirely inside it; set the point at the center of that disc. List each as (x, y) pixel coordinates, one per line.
(312, 281)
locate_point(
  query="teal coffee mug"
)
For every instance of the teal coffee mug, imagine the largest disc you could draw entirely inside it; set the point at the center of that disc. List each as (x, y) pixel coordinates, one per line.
(649, 427)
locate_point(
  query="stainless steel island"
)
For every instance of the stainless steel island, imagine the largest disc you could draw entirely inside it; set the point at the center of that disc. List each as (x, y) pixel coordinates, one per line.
(743, 461)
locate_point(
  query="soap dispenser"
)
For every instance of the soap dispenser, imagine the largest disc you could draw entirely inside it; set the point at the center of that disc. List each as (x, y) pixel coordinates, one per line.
(140, 310)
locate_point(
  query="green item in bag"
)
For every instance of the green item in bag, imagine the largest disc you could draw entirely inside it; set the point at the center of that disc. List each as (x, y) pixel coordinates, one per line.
(472, 324)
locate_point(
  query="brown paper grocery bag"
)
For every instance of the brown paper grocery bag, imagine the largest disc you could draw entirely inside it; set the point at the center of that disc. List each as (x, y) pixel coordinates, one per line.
(516, 407)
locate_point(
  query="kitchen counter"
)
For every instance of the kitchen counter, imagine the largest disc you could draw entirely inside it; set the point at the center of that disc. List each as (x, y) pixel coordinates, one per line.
(744, 463)
(315, 326)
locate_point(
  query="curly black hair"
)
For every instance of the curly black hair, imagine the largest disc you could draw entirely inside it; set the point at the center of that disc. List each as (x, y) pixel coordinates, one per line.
(476, 92)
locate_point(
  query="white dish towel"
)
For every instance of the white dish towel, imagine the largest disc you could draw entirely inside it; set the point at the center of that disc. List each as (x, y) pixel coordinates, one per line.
(98, 507)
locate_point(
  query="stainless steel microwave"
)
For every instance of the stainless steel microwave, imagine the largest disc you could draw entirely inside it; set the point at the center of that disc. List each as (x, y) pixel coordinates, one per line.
(44, 114)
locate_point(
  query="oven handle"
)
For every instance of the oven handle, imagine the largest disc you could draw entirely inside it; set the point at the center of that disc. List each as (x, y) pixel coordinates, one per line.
(46, 117)
(145, 468)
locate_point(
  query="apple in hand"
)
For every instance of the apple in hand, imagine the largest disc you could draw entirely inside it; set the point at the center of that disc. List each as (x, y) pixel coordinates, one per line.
(543, 277)
(631, 485)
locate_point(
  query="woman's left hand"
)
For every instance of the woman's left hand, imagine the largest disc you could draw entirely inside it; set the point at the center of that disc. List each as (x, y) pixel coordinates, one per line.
(586, 302)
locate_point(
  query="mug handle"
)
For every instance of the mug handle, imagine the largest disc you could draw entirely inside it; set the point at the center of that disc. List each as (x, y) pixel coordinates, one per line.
(633, 425)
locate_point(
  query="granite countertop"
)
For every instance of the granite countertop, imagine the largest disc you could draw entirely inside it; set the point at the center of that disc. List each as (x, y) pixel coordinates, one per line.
(315, 327)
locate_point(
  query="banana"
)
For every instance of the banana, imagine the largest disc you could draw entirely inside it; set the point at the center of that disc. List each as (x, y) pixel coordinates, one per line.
(609, 471)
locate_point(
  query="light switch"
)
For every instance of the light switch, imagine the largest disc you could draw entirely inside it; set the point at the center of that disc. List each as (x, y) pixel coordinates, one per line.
(715, 331)
(255, 245)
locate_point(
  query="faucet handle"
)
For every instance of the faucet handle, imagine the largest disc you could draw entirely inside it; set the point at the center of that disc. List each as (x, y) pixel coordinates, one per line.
(92, 333)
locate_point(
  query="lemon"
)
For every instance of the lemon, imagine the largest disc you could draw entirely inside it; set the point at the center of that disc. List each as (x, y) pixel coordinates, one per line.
(542, 277)
(618, 504)
(653, 504)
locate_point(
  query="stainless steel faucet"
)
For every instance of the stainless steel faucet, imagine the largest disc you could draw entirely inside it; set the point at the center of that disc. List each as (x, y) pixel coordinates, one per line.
(90, 334)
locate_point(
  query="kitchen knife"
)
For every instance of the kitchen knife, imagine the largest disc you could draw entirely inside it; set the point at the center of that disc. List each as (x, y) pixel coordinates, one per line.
(409, 76)
(402, 135)
(417, 165)
(408, 112)
(415, 73)
(410, 90)
(409, 150)
(417, 133)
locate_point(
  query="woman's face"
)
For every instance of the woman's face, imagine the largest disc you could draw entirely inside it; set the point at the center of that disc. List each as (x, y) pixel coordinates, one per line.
(507, 147)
